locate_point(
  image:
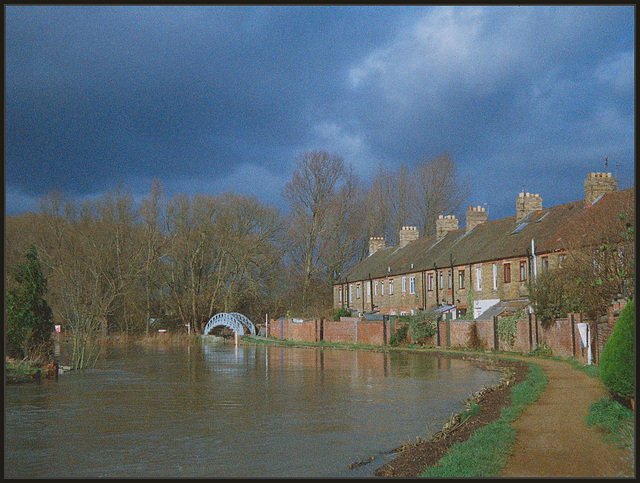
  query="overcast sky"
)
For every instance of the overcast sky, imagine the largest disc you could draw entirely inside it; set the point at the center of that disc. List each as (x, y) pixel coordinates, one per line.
(214, 98)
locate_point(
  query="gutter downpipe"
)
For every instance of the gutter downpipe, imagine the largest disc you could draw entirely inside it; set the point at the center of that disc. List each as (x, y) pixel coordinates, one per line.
(424, 292)
(436, 282)
(453, 283)
(371, 290)
(535, 262)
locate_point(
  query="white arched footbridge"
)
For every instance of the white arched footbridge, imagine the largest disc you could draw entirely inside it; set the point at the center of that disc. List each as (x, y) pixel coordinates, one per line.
(234, 321)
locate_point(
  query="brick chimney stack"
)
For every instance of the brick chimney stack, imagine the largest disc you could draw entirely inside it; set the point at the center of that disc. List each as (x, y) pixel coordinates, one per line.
(596, 185)
(408, 234)
(526, 203)
(375, 244)
(476, 216)
(445, 224)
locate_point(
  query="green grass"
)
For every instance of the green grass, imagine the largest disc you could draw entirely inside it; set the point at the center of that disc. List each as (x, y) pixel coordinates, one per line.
(486, 452)
(590, 370)
(615, 421)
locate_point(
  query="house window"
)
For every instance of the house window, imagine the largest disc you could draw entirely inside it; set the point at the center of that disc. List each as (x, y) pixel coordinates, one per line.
(561, 260)
(340, 294)
(412, 285)
(441, 280)
(404, 284)
(478, 279)
(507, 273)
(449, 279)
(391, 287)
(495, 276)
(430, 282)
(350, 293)
(523, 270)
(358, 291)
(460, 278)
(375, 287)
(544, 262)
(382, 288)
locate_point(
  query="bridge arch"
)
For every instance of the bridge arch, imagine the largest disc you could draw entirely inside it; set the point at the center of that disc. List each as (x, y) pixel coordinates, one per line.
(234, 321)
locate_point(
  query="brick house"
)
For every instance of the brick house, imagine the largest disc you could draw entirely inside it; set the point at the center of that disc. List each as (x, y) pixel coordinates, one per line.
(475, 267)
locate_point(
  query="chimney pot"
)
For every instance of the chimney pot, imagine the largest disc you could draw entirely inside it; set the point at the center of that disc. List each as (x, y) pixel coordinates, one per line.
(475, 217)
(598, 184)
(375, 244)
(526, 203)
(407, 235)
(445, 224)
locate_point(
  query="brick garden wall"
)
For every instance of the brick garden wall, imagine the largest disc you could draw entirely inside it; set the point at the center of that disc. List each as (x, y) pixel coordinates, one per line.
(562, 336)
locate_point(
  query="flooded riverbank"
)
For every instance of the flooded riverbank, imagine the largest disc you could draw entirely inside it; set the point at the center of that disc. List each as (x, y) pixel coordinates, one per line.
(217, 410)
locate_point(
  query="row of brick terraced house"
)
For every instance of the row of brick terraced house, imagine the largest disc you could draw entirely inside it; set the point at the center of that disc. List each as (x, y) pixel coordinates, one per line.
(479, 266)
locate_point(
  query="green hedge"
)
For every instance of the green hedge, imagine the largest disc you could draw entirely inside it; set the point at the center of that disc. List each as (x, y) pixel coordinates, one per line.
(617, 366)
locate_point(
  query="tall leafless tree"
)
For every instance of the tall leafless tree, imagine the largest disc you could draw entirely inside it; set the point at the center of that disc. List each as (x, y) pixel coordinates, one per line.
(439, 190)
(311, 194)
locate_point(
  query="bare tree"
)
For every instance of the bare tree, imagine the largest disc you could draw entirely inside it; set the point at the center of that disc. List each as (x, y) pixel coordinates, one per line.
(154, 243)
(378, 207)
(222, 255)
(438, 191)
(400, 193)
(311, 195)
(346, 239)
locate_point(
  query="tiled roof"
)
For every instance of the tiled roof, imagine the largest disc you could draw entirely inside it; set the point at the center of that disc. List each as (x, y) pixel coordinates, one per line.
(495, 240)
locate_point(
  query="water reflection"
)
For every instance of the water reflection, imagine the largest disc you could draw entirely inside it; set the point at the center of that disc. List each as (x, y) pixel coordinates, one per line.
(225, 411)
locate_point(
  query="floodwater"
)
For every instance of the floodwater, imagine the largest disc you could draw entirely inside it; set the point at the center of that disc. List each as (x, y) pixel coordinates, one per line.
(217, 410)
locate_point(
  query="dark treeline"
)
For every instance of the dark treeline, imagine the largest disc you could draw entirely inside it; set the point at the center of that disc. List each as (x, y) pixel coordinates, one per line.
(113, 265)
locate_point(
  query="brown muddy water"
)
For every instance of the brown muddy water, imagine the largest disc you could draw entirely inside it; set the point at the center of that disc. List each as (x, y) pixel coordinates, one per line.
(217, 410)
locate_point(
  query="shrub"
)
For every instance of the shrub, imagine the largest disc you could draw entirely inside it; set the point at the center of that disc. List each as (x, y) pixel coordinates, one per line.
(341, 312)
(541, 350)
(399, 336)
(507, 328)
(423, 326)
(617, 366)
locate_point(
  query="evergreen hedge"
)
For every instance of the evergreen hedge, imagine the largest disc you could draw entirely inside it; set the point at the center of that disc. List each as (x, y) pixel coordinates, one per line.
(28, 317)
(617, 366)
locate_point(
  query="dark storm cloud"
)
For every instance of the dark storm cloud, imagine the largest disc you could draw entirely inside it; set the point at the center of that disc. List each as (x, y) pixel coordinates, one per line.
(215, 98)
(94, 92)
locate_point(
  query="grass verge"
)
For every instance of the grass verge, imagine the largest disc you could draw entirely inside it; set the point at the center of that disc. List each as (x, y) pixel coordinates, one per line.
(486, 452)
(615, 421)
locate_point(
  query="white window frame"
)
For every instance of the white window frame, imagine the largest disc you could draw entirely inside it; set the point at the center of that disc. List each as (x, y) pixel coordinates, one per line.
(430, 278)
(340, 294)
(544, 263)
(412, 285)
(441, 281)
(350, 293)
(478, 279)
(369, 288)
(495, 276)
(382, 287)
(375, 288)
(357, 291)
(404, 284)
(391, 286)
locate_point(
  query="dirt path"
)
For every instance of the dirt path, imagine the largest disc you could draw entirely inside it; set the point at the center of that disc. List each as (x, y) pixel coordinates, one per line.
(553, 439)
